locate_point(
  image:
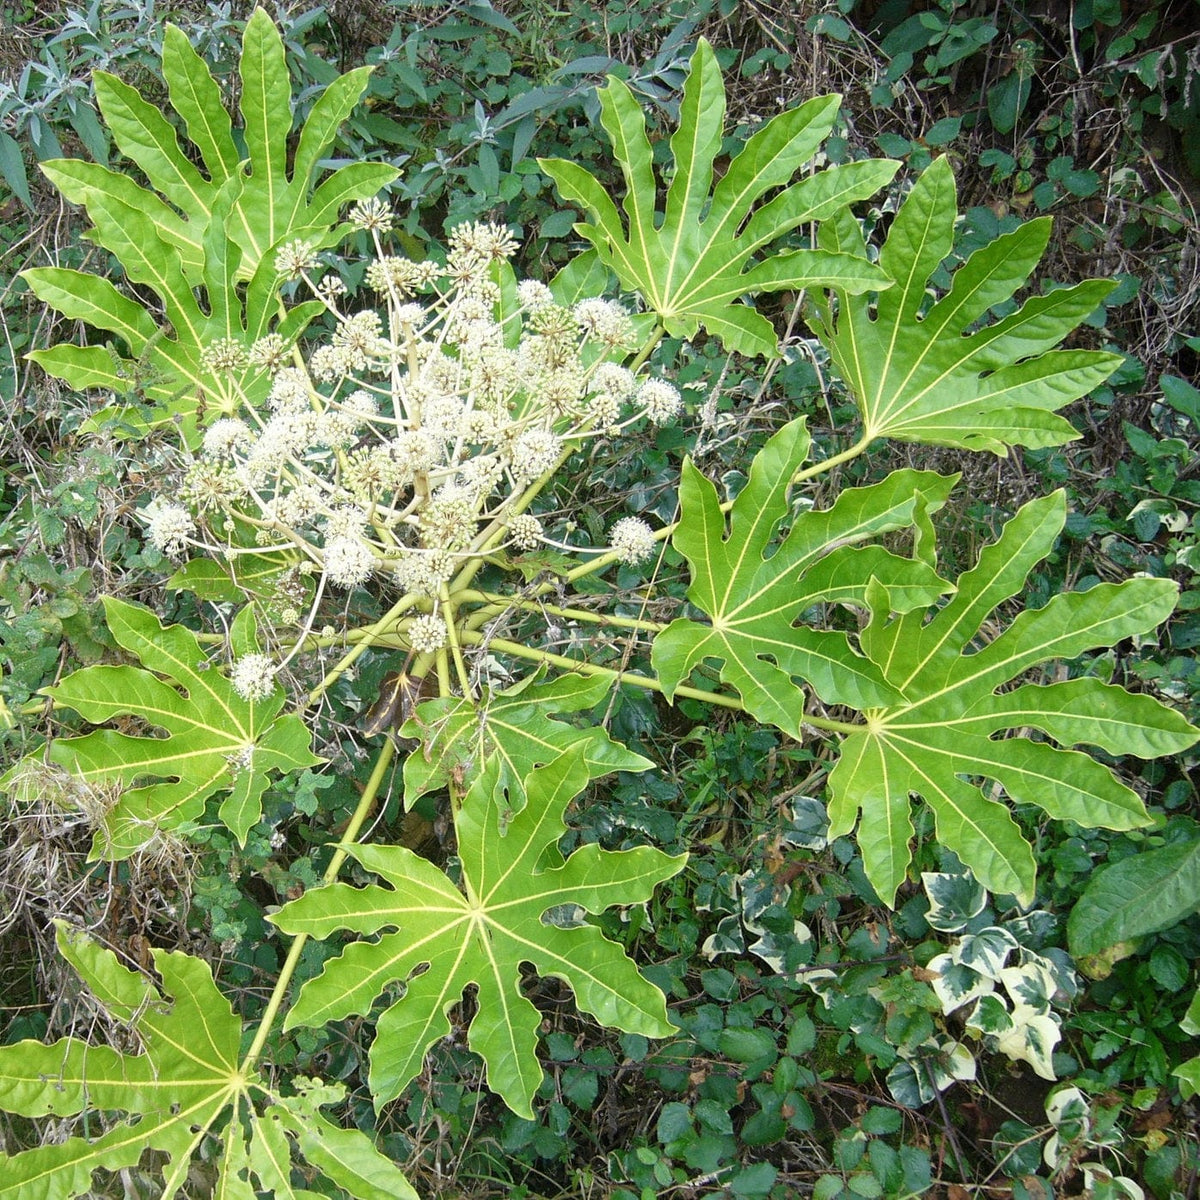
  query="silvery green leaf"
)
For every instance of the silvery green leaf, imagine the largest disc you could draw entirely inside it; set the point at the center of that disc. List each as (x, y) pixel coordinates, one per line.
(729, 938)
(809, 824)
(780, 950)
(954, 900)
(986, 951)
(990, 1015)
(956, 984)
(1031, 984)
(1031, 1039)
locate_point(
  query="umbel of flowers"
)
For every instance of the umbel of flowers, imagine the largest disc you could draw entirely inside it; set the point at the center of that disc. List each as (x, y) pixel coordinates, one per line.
(411, 444)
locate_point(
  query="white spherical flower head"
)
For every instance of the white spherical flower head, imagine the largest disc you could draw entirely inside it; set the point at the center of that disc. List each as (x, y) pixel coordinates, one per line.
(253, 676)
(372, 214)
(660, 400)
(534, 453)
(614, 379)
(427, 633)
(294, 258)
(168, 526)
(348, 562)
(226, 436)
(605, 320)
(632, 540)
(525, 531)
(533, 294)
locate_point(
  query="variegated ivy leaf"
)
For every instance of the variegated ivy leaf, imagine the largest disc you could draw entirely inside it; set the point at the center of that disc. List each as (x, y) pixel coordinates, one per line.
(215, 229)
(934, 1066)
(695, 257)
(941, 373)
(1029, 1035)
(215, 740)
(183, 1090)
(955, 727)
(955, 899)
(755, 586)
(986, 951)
(955, 984)
(513, 729)
(481, 935)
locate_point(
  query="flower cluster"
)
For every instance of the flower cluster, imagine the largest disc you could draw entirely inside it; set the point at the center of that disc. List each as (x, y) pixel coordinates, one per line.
(411, 441)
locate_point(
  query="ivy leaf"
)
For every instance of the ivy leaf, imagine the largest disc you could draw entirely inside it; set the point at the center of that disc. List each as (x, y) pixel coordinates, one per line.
(482, 935)
(186, 1083)
(692, 262)
(939, 374)
(939, 741)
(516, 729)
(215, 740)
(754, 587)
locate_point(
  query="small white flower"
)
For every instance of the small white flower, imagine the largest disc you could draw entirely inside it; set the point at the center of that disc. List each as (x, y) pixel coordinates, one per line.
(632, 540)
(605, 320)
(294, 258)
(168, 526)
(614, 379)
(533, 294)
(535, 452)
(372, 214)
(660, 400)
(253, 676)
(223, 354)
(225, 436)
(427, 633)
(348, 562)
(525, 531)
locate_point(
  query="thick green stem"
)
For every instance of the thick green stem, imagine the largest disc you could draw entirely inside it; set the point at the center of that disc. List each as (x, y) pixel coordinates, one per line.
(366, 638)
(495, 604)
(827, 464)
(382, 763)
(642, 681)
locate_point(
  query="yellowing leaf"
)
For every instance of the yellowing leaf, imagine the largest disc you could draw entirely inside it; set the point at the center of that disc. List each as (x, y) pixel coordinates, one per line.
(447, 939)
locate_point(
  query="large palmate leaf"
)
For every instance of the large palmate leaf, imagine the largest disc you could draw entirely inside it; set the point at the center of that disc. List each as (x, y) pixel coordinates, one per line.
(216, 741)
(692, 263)
(754, 586)
(169, 365)
(511, 877)
(939, 373)
(940, 741)
(185, 1087)
(214, 230)
(516, 729)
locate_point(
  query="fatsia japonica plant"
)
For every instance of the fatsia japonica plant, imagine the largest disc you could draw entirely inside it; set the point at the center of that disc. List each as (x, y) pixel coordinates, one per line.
(390, 484)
